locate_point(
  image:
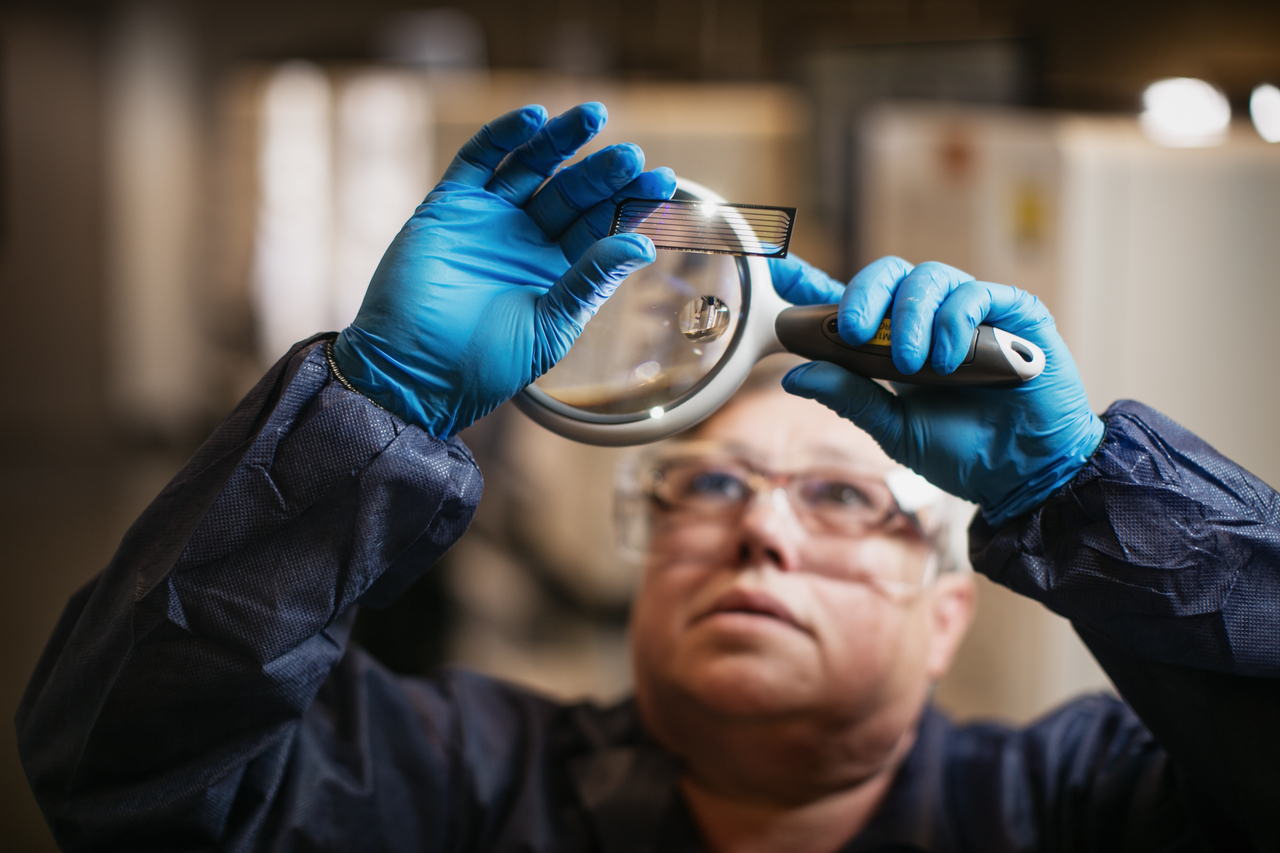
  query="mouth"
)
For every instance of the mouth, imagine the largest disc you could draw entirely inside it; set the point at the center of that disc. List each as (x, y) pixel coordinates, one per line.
(751, 602)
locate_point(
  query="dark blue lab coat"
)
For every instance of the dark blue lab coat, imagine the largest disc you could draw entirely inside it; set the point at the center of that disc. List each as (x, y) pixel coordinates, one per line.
(200, 693)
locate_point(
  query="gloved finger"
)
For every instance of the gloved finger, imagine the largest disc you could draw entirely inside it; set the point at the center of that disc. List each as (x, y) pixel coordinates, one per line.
(975, 302)
(801, 283)
(1016, 311)
(868, 297)
(955, 323)
(561, 312)
(856, 398)
(520, 175)
(476, 160)
(580, 187)
(594, 224)
(914, 305)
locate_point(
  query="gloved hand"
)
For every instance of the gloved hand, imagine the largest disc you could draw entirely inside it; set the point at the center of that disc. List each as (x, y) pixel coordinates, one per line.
(1005, 449)
(476, 297)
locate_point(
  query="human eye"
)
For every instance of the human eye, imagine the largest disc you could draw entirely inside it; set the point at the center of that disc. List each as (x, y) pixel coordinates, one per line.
(701, 485)
(715, 485)
(834, 493)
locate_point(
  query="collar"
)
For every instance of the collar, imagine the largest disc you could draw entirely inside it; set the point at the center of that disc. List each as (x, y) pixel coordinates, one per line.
(913, 815)
(628, 787)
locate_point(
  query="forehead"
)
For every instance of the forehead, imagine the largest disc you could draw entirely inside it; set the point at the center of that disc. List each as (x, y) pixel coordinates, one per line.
(778, 425)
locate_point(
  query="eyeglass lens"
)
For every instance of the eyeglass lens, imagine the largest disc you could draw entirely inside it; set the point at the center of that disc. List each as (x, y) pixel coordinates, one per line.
(829, 499)
(697, 499)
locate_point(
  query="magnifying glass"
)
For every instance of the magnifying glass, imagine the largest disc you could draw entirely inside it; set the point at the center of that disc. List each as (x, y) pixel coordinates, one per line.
(679, 337)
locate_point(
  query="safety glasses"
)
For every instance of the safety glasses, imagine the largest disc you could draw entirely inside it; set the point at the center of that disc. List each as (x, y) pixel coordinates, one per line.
(695, 493)
(828, 497)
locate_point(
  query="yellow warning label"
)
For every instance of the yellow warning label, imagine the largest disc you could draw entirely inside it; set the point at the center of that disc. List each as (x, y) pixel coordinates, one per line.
(881, 337)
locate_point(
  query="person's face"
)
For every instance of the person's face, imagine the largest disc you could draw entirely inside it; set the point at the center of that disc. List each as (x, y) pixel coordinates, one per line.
(781, 621)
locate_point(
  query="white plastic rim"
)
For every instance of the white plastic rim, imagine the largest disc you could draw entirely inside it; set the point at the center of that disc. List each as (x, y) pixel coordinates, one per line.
(1010, 346)
(755, 339)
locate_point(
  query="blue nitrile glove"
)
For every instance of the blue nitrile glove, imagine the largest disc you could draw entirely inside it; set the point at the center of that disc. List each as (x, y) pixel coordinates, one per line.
(476, 297)
(1005, 449)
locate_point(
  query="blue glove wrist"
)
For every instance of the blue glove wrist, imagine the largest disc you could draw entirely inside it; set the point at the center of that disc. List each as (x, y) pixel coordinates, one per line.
(1048, 480)
(364, 362)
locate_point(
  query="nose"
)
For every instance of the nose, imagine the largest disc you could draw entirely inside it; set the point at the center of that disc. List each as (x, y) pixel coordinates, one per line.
(769, 533)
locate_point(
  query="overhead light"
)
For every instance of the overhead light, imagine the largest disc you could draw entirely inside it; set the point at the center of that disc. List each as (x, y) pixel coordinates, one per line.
(1264, 108)
(1183, 112)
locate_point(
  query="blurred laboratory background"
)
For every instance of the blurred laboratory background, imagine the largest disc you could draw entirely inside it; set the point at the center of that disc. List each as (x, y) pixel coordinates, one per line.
(188, 187)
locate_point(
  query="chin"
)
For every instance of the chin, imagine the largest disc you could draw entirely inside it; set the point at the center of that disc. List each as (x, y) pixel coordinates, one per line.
(749, 684)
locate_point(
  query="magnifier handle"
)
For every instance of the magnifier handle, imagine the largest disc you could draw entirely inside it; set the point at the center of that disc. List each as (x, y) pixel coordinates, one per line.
(995, 357)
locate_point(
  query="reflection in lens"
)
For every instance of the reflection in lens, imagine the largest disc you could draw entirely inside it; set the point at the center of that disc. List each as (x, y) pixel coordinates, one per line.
(648, 370)
(704, 318)
(665, 328)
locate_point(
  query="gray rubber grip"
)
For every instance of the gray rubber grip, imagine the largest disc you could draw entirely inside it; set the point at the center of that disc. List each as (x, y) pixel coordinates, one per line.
(810, 331)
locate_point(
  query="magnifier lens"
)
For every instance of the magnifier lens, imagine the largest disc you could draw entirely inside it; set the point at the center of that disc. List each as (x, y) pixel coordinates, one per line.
(663, 331)
(705, 318)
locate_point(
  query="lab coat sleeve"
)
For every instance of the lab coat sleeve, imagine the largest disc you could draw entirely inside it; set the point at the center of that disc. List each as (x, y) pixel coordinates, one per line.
(166, 712)
(1165, 556)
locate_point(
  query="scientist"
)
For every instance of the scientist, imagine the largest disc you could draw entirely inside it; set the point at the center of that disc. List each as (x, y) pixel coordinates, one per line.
(200, 692)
